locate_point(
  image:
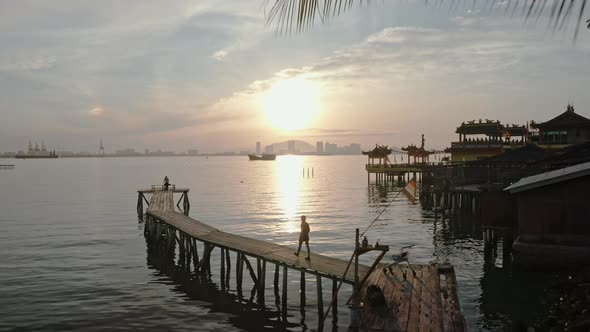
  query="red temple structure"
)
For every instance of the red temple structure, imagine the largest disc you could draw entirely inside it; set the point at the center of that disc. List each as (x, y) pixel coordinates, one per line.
(419, 154)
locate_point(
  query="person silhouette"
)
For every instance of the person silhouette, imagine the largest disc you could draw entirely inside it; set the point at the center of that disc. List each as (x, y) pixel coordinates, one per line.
(304, 237)
(166, 183)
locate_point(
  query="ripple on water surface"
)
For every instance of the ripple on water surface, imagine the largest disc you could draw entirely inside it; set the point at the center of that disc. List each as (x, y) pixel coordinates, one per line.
(74, 256)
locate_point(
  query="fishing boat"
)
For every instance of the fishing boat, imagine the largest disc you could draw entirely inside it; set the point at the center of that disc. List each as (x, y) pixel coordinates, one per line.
(264, 156)
(35, 152)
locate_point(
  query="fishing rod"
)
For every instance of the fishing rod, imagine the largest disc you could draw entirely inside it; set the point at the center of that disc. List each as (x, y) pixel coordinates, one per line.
(334, 297)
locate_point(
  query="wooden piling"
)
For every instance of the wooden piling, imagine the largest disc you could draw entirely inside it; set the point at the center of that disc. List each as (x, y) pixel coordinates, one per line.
(275, 287)
(227, 268)
(302, 298)
(222, 270)
(334, 302)
(320, 302)
(239, 274)
(284, 294)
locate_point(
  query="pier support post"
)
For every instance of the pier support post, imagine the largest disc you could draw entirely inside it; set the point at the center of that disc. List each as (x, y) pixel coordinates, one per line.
(222, 270)
(320, 303)
(275, 287)
(239, 274)
(284, 295)
(196, 255)
(334, 302)
(228, 269)
(356, 258)
(252, 275)
(139, 206)
(261, 264)
(302, 298)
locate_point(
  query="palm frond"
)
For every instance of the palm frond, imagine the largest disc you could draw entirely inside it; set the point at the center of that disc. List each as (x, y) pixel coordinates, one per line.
(287, 15)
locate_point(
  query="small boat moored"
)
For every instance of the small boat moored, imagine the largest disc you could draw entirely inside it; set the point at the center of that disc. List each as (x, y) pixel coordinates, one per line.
(264, 156)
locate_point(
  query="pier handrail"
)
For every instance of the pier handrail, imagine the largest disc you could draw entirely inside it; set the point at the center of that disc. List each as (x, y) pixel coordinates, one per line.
(162, 187)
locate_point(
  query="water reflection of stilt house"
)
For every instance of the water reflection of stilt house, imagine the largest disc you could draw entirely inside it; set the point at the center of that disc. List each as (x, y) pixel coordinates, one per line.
(481, 139)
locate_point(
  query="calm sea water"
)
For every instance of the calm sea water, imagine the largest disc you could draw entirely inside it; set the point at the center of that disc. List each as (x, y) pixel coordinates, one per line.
(73, 255)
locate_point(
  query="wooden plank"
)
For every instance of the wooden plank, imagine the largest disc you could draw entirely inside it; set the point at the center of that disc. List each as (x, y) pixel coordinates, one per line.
(446, 307)
(430, 314)
(406, 297)
(416, 300)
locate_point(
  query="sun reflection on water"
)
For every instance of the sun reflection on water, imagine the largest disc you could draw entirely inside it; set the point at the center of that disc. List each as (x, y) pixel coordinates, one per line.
(289, 186)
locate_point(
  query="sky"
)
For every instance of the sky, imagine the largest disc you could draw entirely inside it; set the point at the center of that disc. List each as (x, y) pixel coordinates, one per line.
(212, 75)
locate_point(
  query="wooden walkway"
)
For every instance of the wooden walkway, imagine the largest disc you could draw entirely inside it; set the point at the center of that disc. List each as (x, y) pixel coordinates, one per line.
(418, 297)
(162, 208)
(424, 299)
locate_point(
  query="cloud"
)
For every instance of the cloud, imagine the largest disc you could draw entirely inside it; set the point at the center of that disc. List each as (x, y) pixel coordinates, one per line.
(24, 63)
(97, 111)
(219, 55)
(334, 133)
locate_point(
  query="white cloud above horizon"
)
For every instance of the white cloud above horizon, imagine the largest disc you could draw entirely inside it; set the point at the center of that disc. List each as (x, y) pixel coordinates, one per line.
(189, 75)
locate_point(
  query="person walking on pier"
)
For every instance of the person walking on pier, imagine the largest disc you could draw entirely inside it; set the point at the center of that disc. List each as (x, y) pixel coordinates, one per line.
(304, 237)
(166, 182)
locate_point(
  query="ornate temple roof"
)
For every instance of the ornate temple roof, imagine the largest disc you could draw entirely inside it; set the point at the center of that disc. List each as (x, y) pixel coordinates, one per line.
(487, 127)
(380, 151)
(490, 128)
(414, 151)
(569, 118)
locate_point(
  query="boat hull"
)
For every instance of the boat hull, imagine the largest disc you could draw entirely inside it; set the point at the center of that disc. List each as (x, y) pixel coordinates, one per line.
(263, 157)
(21, 156)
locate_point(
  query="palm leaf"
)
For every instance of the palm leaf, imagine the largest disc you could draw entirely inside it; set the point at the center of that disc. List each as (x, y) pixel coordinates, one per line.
(300, 14)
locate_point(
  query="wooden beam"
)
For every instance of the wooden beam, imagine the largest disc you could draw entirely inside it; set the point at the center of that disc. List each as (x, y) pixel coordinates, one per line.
(284, 295)
(275, 288)
(239, 269)
(261, 283)
(222, 268)
(320, 302)
(228, 269)
(334, 302)
(302, 298)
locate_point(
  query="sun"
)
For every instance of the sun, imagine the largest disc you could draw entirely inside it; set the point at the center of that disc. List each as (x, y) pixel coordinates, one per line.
(291, 104)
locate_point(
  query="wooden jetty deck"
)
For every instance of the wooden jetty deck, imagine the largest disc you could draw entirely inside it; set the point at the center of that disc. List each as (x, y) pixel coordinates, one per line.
(165, 229)
(418, 297)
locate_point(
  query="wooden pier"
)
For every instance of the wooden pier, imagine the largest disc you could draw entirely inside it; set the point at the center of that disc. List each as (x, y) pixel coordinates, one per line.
(418, 298)
(170, 232)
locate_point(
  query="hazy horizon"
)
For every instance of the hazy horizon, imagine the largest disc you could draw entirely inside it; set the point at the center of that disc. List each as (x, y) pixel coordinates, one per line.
(211, 76)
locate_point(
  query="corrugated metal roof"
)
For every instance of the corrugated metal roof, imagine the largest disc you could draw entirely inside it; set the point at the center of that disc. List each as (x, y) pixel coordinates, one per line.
(544, 179)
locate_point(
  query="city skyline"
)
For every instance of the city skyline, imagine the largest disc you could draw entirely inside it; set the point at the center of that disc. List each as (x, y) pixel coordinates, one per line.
(334, 149)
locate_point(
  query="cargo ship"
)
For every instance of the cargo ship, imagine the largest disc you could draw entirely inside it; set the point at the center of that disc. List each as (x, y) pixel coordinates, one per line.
(35, 152)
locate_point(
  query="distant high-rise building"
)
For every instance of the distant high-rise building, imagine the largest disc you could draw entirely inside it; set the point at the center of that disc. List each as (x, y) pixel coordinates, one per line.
(193, 152)
(257, 147)
(355, 148)
(291, 146)
(269, 149)
(331, 148)
(101, 148)
(319, 147)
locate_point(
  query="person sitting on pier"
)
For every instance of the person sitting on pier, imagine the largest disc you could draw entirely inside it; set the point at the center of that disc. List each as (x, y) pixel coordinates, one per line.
(166, 183)
(304, 237)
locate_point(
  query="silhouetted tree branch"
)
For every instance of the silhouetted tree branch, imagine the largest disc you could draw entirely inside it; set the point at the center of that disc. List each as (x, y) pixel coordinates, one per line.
(300, 14)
